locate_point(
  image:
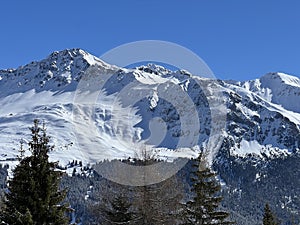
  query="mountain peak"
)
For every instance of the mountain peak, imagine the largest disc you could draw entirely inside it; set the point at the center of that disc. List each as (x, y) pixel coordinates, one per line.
(74, 54)
(284, 90)
(60, 70)
(281, 78)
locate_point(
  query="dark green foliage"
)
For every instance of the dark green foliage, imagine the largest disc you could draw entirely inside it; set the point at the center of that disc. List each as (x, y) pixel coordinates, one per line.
(1, 201)
(252, 180)
(203, 208)
(269, 217)
(146, 205)
(110, 203)
(34, 197)
(3, 176)
(159, 203)
(77, 189)
(119, 211)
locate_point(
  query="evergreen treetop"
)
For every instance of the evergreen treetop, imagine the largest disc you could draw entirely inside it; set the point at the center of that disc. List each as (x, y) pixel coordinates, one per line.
(34, 196)
(119, 211)
(203, 208)
(269, 217)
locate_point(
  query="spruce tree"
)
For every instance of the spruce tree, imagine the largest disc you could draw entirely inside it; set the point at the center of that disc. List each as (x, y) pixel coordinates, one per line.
(114, 204)
(34, 196)
(1, 201)
(159, 203)
(269, 217)
(155, 204)
(203, 207)
(119, 211)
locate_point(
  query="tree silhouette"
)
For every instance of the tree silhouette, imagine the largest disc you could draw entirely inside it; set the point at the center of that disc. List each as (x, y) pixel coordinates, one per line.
(34, 196)
(203, 207)
(269, 217)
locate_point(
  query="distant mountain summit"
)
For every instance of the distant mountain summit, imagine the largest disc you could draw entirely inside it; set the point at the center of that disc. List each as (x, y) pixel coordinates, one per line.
(60, 70)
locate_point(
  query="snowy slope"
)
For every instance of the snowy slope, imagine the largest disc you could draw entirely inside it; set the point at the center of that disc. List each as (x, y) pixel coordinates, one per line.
(279, 88)
(263, 115)
(257, 123)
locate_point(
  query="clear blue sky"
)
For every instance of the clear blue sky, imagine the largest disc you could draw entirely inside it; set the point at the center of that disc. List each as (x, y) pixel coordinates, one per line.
(238, 39)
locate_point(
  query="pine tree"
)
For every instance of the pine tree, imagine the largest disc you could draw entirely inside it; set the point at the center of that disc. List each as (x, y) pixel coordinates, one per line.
(155, 204)
(269, 217)
(114, 204)
(1, 201)
(34, 196)
(159, 203)
(203, 207)
(119, 212)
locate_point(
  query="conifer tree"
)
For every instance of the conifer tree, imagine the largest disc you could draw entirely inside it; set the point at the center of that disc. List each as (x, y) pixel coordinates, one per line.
(114, 204)
(269, 217)
(1, 201)
(159, 203)
(34, 196)
(203, 207)
(119, 211)
(155, 204)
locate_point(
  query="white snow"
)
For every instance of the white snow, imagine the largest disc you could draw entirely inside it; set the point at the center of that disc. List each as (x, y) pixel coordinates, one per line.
(249, 147)
(111, 127)
(290, 80)
(247, 111)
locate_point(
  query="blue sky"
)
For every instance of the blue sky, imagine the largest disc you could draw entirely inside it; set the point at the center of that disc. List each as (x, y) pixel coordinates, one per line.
(238, 39)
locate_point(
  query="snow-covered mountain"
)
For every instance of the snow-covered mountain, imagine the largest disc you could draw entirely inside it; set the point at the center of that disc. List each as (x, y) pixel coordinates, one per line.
(95, 111)
(260, 116)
